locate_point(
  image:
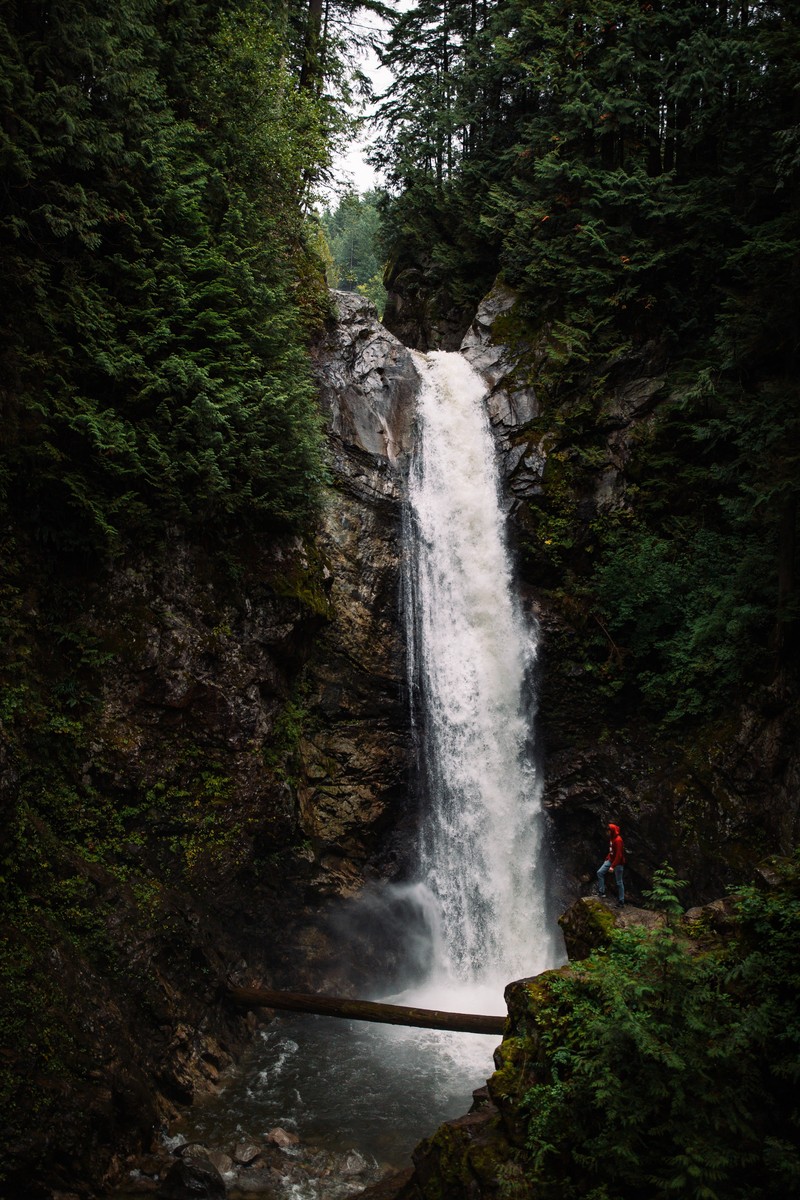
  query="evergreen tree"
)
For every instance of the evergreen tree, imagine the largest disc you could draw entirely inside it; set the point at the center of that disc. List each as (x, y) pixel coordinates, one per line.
(151, 237)
(632, 170)
(352, 231)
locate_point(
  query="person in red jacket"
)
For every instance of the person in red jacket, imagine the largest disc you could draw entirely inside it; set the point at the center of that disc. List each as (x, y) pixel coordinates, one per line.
(615, 861)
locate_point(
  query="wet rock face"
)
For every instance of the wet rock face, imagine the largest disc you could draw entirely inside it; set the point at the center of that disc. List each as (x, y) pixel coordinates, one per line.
(517, 418)
(420, 318)
(511, 406)
(355, 749)
(368, 385)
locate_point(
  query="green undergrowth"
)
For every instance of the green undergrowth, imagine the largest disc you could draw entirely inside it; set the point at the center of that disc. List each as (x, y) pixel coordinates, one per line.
(664, 1071)
(669, 586)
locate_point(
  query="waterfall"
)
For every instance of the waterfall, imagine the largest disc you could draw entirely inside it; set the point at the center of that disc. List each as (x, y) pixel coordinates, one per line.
(475, 918)
(471, 655)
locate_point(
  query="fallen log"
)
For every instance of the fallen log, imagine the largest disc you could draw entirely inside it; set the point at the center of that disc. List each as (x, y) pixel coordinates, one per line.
(366, 1010)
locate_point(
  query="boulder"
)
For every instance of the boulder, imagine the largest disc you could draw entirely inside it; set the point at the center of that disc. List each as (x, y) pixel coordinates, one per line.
(193, 1178)
(391, 1187)
(353, 1165)
(586, 926)
(222, 1161)
(589, 922)
(245, 1153)
(263, 1181)
(283, 1138)
(716, 918)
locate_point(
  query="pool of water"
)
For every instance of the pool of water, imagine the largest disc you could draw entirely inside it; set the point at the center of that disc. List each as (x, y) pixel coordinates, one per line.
(346, 1085)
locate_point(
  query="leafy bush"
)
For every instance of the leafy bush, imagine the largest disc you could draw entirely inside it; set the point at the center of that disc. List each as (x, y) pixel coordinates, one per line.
(668, 1072)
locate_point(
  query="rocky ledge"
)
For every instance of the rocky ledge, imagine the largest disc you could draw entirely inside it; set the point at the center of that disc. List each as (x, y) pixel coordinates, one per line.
(277, 1164)
(481, 1155)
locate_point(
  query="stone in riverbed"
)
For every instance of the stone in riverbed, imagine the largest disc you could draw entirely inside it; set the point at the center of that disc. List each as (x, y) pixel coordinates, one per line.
(192, 1150)
(283, 1138)
(193, 1179)
(390, 1187)
(245, 1153)
(222, 1161)
(353, 1165)
(263, 1181)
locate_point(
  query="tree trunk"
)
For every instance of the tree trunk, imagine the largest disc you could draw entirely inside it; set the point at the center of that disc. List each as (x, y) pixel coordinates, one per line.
(366, 1010)
(311, 70)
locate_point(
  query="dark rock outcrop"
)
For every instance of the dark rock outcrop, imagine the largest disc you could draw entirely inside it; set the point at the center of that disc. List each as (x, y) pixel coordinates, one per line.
(354, 753)
(511, 404)
(252, 732)
(354, 749)
(589, 923)
(419, 317)
(368, 386)
(193, 1178)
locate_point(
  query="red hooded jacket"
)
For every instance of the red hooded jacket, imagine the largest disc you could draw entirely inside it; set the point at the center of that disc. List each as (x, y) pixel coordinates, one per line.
(616, 847)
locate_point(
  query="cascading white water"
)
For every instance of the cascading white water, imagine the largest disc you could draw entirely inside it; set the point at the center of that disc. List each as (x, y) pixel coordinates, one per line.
(471, 655)
(480, 891)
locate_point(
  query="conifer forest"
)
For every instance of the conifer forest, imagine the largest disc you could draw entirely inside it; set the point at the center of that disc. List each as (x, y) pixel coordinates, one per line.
(210, 721)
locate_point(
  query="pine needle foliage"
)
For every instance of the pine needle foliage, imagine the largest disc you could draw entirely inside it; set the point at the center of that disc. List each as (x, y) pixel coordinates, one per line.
(151, 245)
(632, 171)
(617, 161)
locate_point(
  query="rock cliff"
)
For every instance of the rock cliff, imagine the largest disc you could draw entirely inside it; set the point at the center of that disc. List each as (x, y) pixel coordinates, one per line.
(354, 751)
(242, 759)
(688, 800)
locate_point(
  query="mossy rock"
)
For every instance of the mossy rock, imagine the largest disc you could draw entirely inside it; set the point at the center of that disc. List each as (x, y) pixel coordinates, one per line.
(515, 1061)
(462, 1158)
(525, 996)
(586, 926)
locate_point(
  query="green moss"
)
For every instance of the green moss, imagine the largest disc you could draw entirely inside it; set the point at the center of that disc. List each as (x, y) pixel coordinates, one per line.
(304, 580)
(601, 918)
(514, 1060)
(453, 1176)
(488, 1155)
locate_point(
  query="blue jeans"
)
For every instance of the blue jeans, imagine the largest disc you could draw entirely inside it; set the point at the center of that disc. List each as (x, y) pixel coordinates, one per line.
(601, 880)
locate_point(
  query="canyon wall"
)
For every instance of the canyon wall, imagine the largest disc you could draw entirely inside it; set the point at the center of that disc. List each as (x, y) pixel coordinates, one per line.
(247, 751)
(711, 801)
(243, 762)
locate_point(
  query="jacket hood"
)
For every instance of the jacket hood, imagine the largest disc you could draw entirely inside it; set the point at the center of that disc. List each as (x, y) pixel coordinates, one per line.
(614, 829)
